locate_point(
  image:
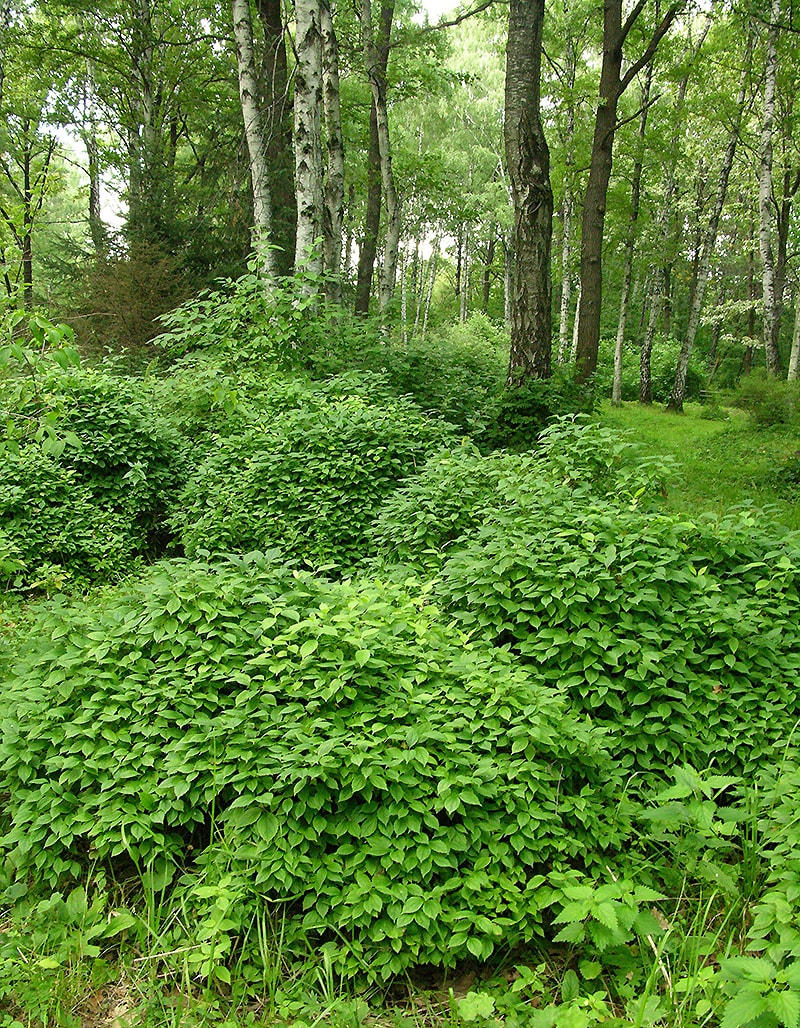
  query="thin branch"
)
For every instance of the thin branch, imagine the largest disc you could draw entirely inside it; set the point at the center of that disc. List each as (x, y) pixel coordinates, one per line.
(630, 21)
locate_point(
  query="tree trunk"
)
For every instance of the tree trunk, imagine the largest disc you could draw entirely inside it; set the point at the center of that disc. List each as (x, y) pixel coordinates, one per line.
(794, 356)
(612, 85)
(566, 279)
(679, 385)
(765, 194)
(528, 162)
(431, 284)
(278, 119)
(372, 219)
(376, 73)
(333, 213)
(630, 242)
(645, 354)
(487, 270)
(254, 134)
(308, 140)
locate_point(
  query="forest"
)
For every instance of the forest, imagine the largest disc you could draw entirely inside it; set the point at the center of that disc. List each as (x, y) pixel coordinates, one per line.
(399, 514)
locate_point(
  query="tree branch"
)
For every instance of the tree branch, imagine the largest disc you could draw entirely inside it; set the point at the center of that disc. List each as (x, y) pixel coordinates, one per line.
(652, 46)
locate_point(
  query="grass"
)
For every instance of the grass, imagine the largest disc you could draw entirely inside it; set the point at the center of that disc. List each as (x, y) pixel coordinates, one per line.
(721, 465)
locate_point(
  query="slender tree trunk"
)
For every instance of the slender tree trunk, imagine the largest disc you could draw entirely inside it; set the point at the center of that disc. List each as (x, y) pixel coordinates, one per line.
(576, 326)
(566, 279)
(308, 137)
(612, 85)
(463, 307)
(431, 284)
(630, 242)
(646, 352)
(765, 194)
(794, 356)
(254, 134)
(376, 74)
(372, 219)
(679, 385)
(487, 270)
(278, 124)
(528, 162)
(333, 214)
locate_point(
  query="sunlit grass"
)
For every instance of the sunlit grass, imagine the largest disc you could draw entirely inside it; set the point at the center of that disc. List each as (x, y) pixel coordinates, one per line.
(721, 464)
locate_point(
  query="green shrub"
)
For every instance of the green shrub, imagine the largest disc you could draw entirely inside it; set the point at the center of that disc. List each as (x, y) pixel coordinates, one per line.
(309, 479)
(330, 748)
(425, 516)
(51, 520)
(520, 413)
(769, 401)
(88, 473)
(456, 374)
(421, 522)
(681, 637)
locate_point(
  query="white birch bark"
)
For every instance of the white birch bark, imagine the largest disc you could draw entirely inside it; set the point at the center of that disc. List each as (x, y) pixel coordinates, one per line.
(794, 356)
(431, 283)
(254, 134)
(575, 325)
(333, 215)
(308, 103)
(765, 192)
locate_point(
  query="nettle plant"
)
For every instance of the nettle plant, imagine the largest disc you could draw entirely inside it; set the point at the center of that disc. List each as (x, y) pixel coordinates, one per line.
(332, 750)
(307, 478)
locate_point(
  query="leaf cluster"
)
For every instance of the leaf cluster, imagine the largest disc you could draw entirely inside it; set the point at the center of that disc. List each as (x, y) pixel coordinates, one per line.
(333, 748)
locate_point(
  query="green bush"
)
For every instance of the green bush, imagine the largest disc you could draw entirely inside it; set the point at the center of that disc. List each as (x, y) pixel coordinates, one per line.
(425, 516)
(88, 473)
(520, 413)
(422, 521)
(456, 374)
(681, 637)
(333, 749)
(51, 520)
(769, 401)
(308, 480)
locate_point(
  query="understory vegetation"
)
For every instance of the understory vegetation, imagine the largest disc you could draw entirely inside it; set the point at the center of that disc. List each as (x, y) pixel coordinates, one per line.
(341, 687)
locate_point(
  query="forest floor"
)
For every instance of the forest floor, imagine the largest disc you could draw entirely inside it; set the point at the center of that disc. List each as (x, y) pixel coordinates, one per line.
(720, 464)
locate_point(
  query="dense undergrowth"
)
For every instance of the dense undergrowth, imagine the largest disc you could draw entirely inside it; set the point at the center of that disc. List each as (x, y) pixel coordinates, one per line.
(336, 690)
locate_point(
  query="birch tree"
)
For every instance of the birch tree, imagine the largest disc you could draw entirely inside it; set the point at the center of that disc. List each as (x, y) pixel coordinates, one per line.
(254, 134)
(308, 103)
(333, 210)
(765, 193)
(710, 237)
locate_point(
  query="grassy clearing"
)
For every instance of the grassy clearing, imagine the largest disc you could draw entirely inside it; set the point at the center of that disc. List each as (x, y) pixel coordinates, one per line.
(720, 465)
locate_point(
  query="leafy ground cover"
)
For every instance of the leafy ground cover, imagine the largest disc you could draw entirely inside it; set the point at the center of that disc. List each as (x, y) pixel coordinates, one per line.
(392, 730)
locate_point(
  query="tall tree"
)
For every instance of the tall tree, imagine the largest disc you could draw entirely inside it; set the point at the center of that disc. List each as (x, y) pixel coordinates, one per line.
(613, 84)
(333, 211)
(765, 194)
(710, 238)
(278, 121)
(376, 73)
(528, 162)
(308, 104)
(255, 135)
